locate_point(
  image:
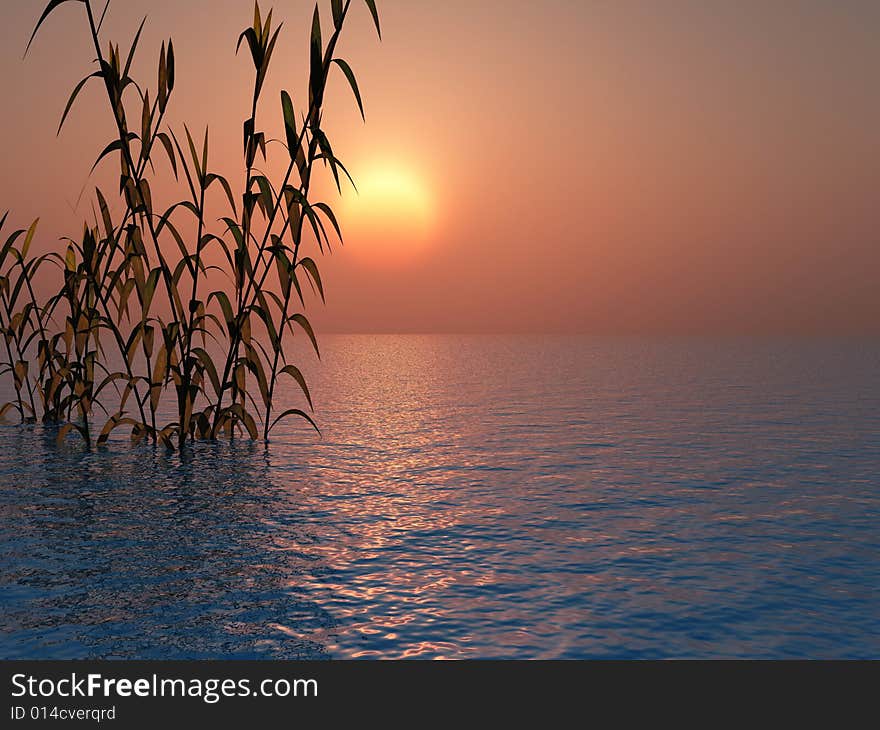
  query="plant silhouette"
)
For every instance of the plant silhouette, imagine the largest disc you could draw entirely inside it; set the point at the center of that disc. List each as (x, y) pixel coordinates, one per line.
(136, 289)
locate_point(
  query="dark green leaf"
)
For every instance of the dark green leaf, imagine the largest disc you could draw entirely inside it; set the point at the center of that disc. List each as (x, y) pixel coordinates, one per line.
(163, 79)
(301, 320)
(208, 364)
(371, 4)
(170, 65)
(133, 49)
(205, 154)
(324, 208)
(295, 373)
(224, 305)
(169, 149)
(337, 13)
(349, 74)
(301, 414)
(312, 268)
(49, 8)
(226, 188)
(195, 157)
(289, 124)
(316, 75)
(112, 147)
(73, 96)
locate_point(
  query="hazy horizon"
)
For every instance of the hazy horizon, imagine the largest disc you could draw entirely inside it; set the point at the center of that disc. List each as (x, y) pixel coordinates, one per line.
(564, 167)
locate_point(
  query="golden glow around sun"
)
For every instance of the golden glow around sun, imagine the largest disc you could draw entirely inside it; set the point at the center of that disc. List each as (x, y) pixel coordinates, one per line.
(392, 212)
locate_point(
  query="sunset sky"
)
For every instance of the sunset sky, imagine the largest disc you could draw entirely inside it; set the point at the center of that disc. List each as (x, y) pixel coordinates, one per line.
(560, 166)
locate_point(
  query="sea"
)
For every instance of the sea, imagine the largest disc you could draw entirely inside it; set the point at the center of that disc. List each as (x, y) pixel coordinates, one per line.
(471, 497)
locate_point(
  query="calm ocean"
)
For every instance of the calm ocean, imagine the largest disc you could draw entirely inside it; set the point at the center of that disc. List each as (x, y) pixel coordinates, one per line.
(476, 497)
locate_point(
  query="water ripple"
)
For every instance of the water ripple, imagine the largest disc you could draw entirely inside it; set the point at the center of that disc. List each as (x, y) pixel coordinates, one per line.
(635, 499)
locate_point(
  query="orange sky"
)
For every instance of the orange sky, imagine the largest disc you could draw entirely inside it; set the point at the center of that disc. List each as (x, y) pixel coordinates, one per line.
(598, 167)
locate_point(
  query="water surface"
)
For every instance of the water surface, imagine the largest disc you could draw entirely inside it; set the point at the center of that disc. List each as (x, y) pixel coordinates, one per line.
(476, 497)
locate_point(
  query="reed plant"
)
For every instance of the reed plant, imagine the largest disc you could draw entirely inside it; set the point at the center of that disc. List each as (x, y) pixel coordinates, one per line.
(137, 299)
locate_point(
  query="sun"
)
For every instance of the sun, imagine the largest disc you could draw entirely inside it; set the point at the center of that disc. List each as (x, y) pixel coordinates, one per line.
(391, 214)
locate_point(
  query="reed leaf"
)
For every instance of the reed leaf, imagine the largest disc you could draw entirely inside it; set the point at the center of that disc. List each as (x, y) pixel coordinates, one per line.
(49, 8)
(352, 82)
(296, 412)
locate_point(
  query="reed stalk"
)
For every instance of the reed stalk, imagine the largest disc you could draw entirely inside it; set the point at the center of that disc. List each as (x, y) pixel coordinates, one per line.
(136, 291)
